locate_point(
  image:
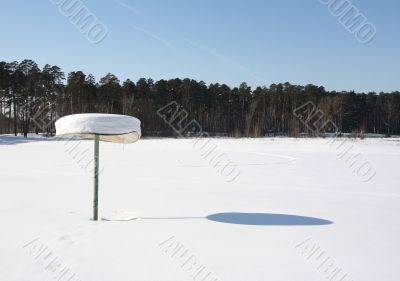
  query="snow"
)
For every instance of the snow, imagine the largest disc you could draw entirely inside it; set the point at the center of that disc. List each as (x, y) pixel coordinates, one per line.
(110, 127)
(291, 195)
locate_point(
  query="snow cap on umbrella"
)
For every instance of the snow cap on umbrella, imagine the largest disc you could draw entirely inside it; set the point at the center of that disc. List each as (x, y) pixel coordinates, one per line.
(109, 127)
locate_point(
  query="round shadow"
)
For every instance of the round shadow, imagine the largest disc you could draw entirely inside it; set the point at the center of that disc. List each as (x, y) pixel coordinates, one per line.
(266, 219)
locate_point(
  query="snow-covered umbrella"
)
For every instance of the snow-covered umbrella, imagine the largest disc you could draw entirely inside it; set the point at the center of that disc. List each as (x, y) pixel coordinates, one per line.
(99, 127)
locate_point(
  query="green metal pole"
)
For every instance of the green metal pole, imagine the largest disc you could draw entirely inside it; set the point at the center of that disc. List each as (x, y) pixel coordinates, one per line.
(96, 178)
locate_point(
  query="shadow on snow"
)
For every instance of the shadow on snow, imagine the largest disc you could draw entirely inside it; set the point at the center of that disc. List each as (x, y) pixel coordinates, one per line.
(250, 219)
(266, 219)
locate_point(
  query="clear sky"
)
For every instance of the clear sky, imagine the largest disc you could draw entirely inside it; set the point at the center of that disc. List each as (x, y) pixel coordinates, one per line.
(226, 41)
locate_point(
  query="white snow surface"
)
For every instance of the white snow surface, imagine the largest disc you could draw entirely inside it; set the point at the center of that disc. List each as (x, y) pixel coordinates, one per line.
(244, 230)
(110, 127)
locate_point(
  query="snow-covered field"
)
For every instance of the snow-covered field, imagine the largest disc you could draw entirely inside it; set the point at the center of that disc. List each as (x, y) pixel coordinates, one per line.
(297, 211)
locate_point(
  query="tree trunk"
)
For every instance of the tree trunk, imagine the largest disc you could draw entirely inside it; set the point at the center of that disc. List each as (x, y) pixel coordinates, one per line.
(15, 114)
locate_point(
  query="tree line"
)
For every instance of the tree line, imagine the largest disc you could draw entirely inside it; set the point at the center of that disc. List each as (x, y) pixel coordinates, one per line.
(241, 111)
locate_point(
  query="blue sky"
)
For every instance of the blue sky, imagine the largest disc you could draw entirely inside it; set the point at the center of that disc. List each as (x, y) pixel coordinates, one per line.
(256, 41)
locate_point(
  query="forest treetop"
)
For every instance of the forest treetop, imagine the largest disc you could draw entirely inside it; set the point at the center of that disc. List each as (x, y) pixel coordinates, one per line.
(218, 108)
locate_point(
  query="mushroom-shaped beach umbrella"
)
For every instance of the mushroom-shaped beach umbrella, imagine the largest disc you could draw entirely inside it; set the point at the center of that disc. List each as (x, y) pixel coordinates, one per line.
(99, 127)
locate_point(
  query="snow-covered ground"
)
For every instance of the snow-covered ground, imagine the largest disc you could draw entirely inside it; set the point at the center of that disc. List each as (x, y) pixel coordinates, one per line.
(296, 211)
